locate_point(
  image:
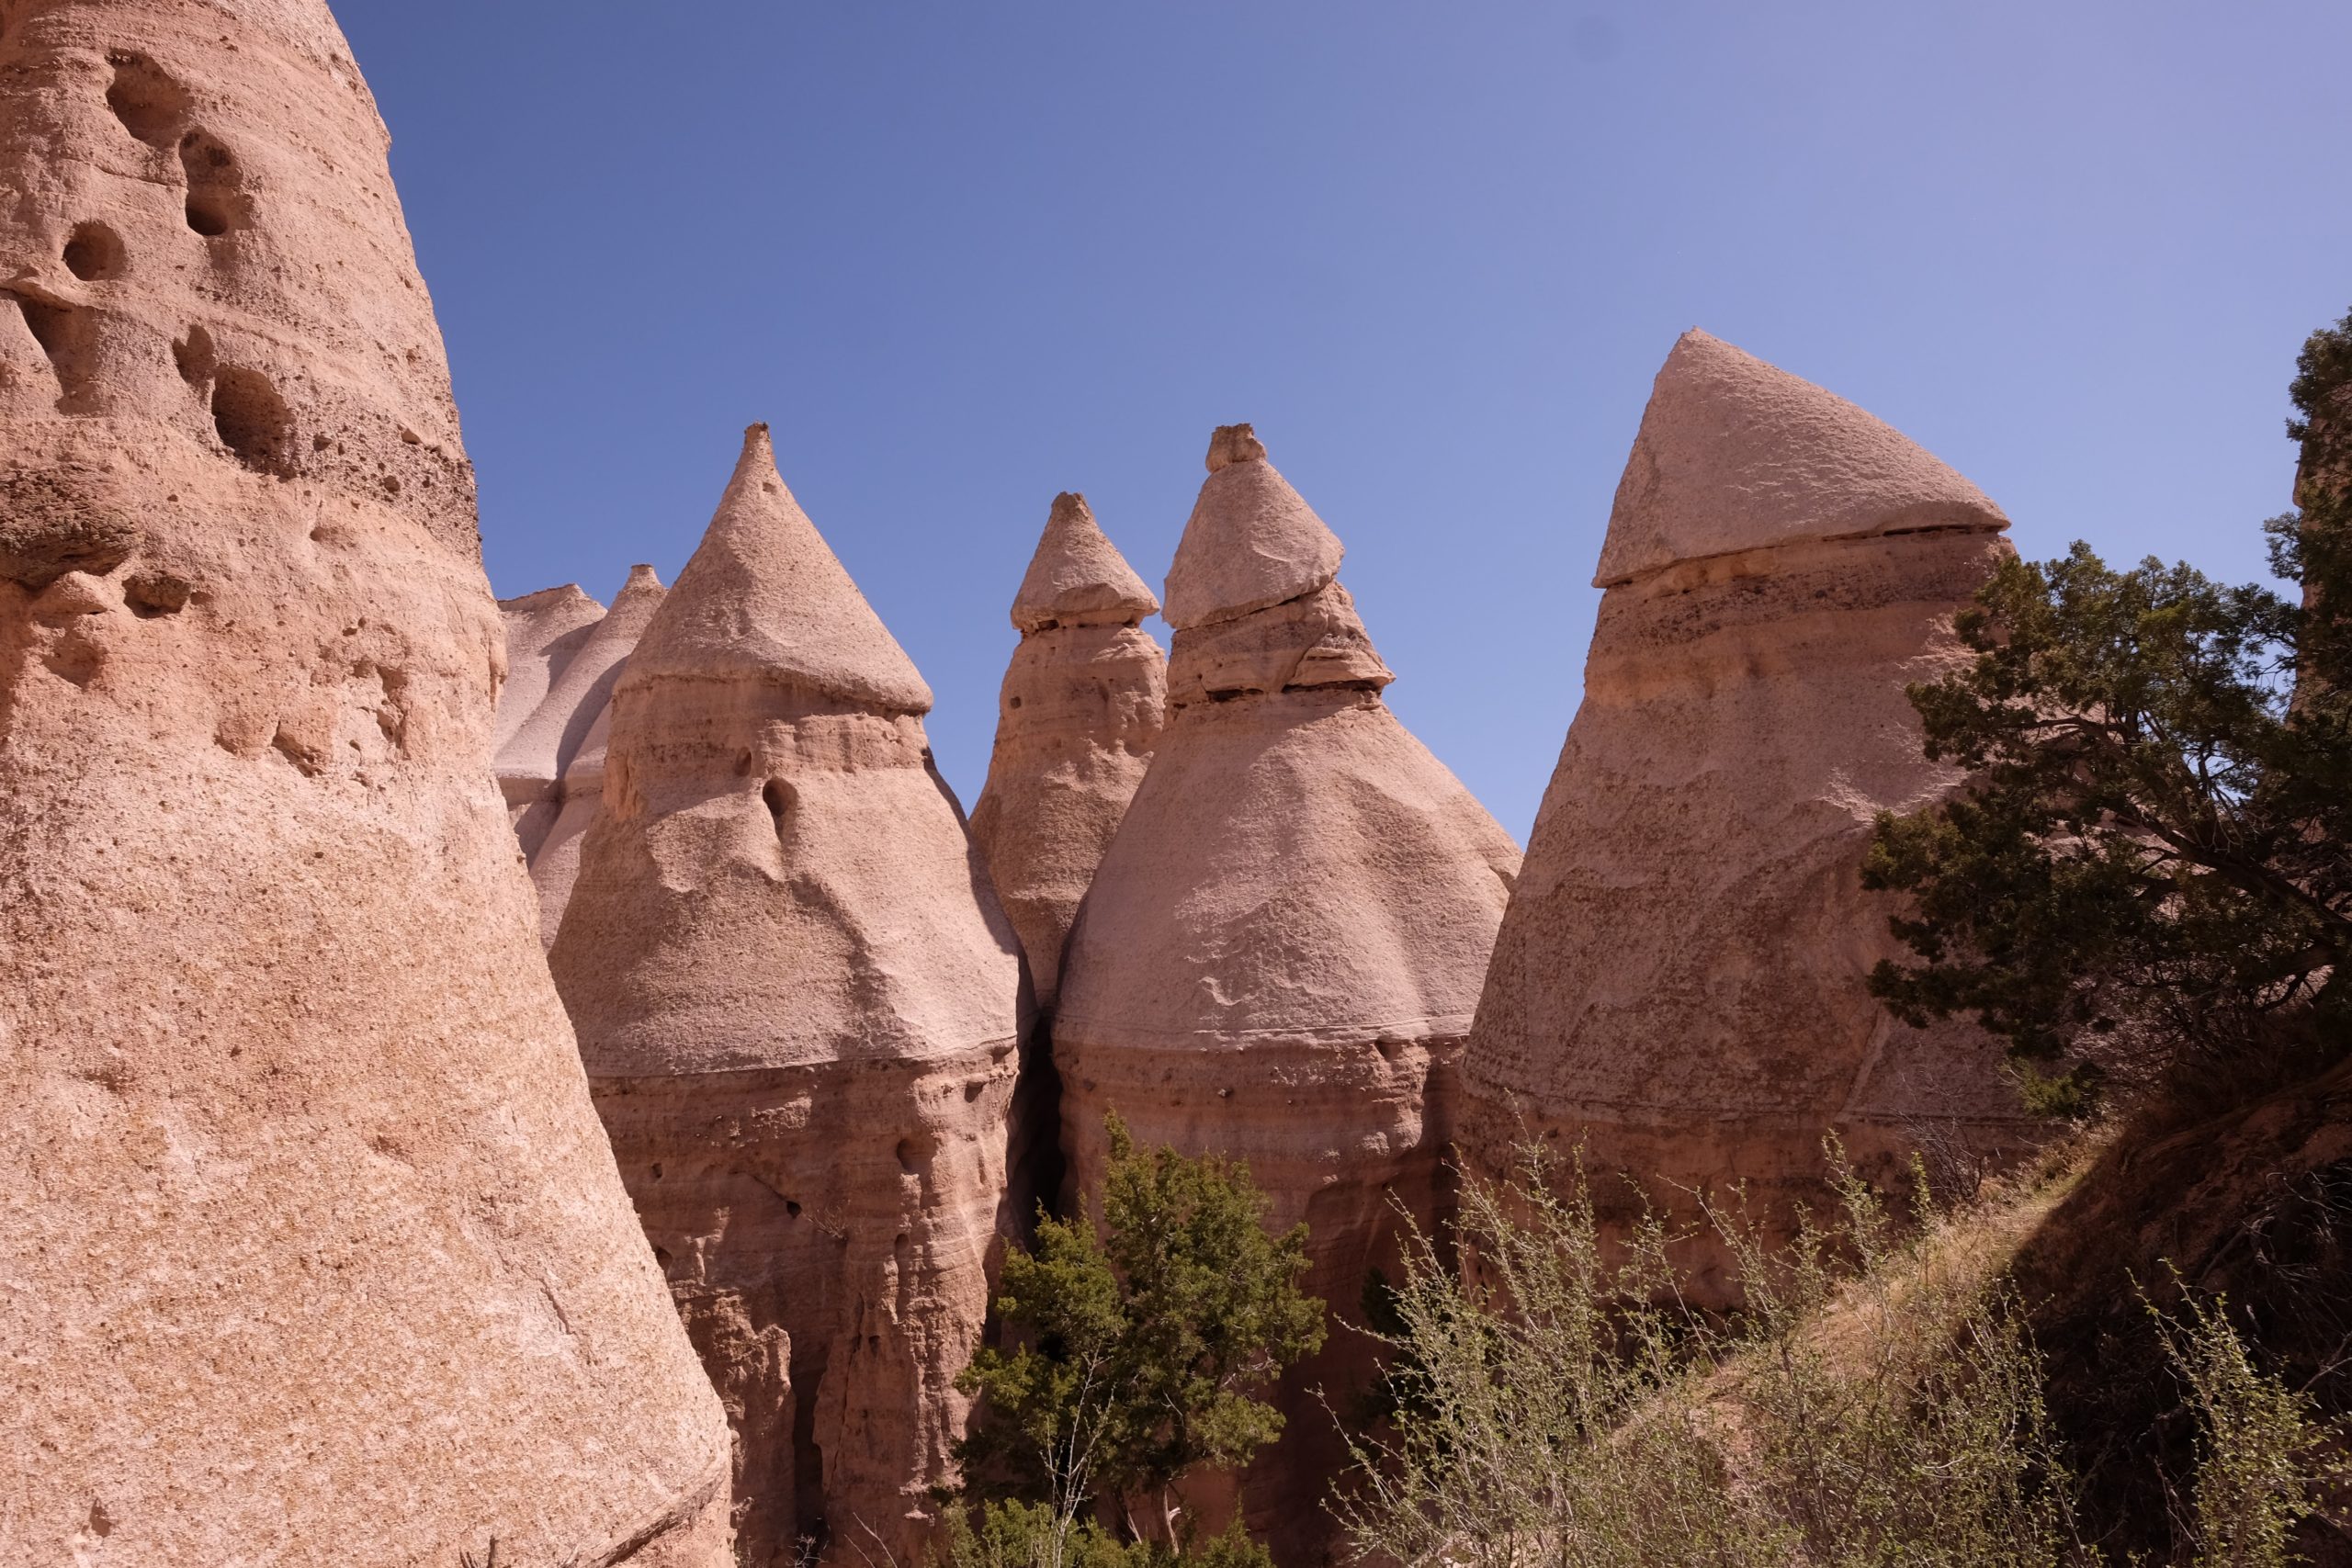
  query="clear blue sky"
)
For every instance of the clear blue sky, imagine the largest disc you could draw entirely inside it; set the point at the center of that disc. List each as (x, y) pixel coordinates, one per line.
(964, 255)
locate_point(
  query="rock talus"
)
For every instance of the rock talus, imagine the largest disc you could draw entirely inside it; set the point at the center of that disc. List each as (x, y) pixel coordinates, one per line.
(551, 765)
(313, 1246)
(1079, 711)
(1281, 949)
(1679, 985)
(799, 1006)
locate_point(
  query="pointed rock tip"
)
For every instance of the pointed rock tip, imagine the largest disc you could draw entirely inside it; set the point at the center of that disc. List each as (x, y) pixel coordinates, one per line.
(1230, 443)
(1077, 577)
(1251, 542)
(565, 594)
(1735, 454)
(764, 597)
(641, 577)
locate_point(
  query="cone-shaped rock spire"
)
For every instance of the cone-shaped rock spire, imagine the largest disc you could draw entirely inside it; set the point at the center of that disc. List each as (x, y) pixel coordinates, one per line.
(313, 1249)
(1680, 984)
(1279, 952)
(1079, 711)
(543, 631)
(1077, 577)
(799, 1005)
(1737, 455)
(766, 594)
(532, 762)
(1251, 542)
(551, 768)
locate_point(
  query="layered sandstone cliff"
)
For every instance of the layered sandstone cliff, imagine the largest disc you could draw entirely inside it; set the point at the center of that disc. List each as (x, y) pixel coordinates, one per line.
(1079, 711)
(1283, 947)
(312, 1244)
(1678, 987)
(551, 767)
(799, 1006)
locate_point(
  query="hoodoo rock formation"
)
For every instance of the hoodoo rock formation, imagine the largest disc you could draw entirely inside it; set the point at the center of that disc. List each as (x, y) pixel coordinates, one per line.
(1282, 948)
(551, 768)
(799, 1007)
(311, 1245)
(1678, 987)
(1080, 709)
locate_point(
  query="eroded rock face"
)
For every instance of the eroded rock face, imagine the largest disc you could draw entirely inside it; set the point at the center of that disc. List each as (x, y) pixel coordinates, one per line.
(1077, 718)
(551, 766)
(1281, 950)
(313, 1245)
(1678, 986)
(799, 1007)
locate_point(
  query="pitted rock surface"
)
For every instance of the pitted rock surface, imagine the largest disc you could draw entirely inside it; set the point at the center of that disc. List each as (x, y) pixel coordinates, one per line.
(312, 1247)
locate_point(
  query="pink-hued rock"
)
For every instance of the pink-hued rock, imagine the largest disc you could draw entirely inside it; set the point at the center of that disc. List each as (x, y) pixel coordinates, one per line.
(543, 631)
(1281, 950)
(312, 1247)
(1081, 709)
(799, 1007)
(551, 769)
(1735, 454)
(1679, 985)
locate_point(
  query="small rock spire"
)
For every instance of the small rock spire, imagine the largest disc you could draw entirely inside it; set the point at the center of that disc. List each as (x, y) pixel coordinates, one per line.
(764, 591)
(1252, 541)
(1077, 577)
(1803, 463)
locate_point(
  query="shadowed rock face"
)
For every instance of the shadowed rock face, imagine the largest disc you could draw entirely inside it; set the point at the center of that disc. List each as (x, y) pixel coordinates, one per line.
(313, 1246)
(1679, 982)
(1076, 721)
(1281, 950)
(551, 764)
(799, 1005)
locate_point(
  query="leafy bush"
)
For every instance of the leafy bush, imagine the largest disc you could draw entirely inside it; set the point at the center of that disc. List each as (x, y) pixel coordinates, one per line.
(1877, 1402)
(1139, 1354)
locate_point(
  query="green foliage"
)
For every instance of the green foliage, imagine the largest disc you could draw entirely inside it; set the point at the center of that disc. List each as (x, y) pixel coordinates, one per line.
(1010, 1533)
(1877, 1403)
(2152, 856)
(2265, 1460)
(1139, 1354)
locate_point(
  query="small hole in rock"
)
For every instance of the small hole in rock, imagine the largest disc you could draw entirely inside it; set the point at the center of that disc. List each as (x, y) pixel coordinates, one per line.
(657, 1171)
(145, 98)
(195, 356)
(777, 796)
(792, 1208)
(1015, 702)
(94, 254)
(914, 1154)
(254, 421)
(216, 198)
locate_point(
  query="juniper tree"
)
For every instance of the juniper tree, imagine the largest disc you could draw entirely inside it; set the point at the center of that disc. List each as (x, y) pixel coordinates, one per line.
(1139, 1354)
(2151, 857)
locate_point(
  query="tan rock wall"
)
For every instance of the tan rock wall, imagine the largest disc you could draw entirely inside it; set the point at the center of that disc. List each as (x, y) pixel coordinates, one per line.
(314, 1245)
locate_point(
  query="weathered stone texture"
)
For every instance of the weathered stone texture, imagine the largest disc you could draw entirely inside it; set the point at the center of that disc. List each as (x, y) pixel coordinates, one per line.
(311, 1245)
(1081, 709)
(551, 764)
(1281, 950)
(1678, 986)
(799, 1007)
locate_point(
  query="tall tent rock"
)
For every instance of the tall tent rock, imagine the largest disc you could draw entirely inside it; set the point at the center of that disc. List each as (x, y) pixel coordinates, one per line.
(1678, 988)
(551, 764)
(311, 1249)
(799, 1006)
(1081, 706)
(1281, 951)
